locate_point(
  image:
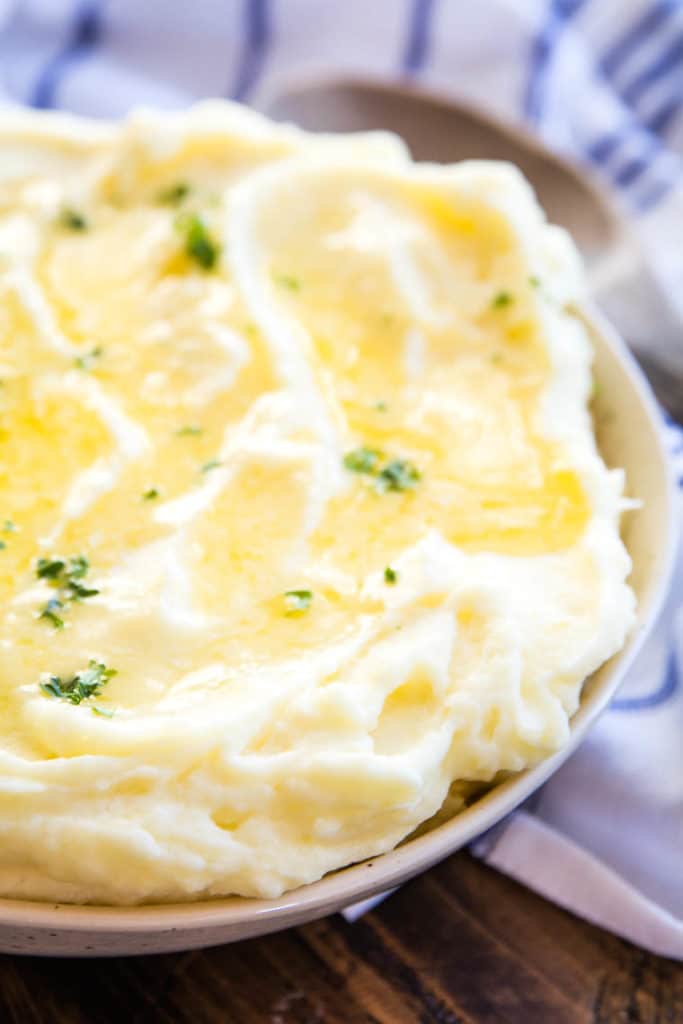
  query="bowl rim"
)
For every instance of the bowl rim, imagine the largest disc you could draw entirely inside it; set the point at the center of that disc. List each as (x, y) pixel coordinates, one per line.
(356, 882)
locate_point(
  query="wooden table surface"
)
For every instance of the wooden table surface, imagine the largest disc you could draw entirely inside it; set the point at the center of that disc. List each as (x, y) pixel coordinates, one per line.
(459, 944)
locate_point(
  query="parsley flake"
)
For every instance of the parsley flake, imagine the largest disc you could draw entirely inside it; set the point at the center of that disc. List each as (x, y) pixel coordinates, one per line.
(189, 431)
(397, 475)
(211, 464)
(80, 687)
(197, 241)
(66, 577)
(72, 220)
(87, 361)
(50, 610)
(288, 281)
(502, 300)
(362, 460)
(535, 281)
(50, 568)
(150, 494)
(3, 545)
(9, 527)
(173, 195)
(390, 575)
(297, 601)
(380, 406)
(102, 712)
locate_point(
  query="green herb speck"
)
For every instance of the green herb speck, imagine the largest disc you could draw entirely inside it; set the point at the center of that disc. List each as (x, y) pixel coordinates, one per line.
(390, 575)
(189, 431)
(50, 611)
(65, 577)
(362, 460)
(297, 601)
(197, 241)
(81, 686)
(502, 300)
(87, 361)
(72, 220)
(173, 195)
(150, 494)
(211, 464)
(293, 284)
(102, 712)
(397, 475)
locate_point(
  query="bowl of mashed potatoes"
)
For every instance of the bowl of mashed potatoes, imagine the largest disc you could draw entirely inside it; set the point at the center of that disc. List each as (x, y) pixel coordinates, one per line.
(312, 567)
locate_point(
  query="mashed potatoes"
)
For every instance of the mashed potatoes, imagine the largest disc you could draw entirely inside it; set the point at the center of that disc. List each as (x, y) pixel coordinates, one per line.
(303, 514)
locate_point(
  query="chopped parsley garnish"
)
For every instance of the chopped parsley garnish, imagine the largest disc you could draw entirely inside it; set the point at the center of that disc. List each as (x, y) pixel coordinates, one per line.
(501, 300)
(72, 220)
(50, 610)
(8, 527)
(293, 284)
(189, 431)
(380, 406)
(534, 281)
(390, 575)
(87, 361)
(50, 568)
(211, 464)
(397, 475)
(198, 243)
(297, 601)
(150, 494)
(102, 712)
(66, 577)
(362, 460)
(82, 686)
(173, 195)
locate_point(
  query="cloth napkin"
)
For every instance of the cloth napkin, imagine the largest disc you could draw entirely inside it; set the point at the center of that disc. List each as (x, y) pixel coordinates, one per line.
(601, 80)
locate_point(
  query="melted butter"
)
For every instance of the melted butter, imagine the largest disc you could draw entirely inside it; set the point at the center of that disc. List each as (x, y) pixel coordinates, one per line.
(184, 429)
(392, 290)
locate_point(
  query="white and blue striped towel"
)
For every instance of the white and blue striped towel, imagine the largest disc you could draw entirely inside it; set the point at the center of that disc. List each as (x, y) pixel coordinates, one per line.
(599, 79)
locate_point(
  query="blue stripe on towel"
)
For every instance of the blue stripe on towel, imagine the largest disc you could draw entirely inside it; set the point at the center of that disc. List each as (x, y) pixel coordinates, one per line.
(637, 34)
(85, 34)
(660, 121)
(669, 61)
(542, 52)
(416, 50)
(604, 146)
(256, 17)
(648, 163)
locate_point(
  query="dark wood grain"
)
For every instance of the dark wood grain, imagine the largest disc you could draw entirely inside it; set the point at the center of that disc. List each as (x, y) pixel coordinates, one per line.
(460, 945)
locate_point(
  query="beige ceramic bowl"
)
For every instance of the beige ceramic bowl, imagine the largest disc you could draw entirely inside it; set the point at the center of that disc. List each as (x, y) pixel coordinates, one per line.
(629, 436)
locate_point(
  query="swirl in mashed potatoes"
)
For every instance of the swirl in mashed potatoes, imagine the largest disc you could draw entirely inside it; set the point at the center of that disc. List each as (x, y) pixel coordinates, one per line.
(294, 440)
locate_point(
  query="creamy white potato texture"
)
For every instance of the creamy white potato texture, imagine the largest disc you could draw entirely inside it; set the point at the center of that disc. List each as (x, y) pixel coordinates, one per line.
(301, 511)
